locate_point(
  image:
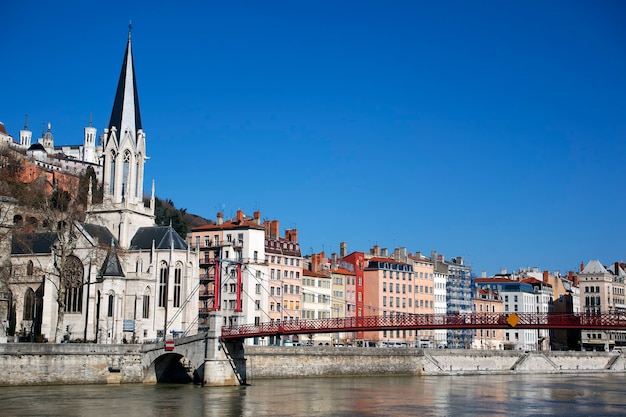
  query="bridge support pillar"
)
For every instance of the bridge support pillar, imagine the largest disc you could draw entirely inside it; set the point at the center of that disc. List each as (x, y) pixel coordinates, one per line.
(224, 362)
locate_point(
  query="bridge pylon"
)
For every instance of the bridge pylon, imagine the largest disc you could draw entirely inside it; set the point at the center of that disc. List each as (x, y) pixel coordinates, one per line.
(224, 362)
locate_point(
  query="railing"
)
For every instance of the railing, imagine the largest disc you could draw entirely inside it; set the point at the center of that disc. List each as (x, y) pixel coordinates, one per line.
(433, 321)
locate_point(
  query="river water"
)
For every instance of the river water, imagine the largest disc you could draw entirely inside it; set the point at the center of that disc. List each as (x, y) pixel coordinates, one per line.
(483, 395)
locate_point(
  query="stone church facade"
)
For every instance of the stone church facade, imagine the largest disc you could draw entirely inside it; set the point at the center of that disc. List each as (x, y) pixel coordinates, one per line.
(134, 281)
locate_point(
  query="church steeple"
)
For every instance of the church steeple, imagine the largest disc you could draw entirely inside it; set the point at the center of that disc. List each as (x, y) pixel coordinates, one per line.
(124, 141)
(124, 156)
(125, 116)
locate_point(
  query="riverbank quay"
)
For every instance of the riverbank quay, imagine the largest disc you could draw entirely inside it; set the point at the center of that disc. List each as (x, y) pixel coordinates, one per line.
(292, 362)
(73, 363)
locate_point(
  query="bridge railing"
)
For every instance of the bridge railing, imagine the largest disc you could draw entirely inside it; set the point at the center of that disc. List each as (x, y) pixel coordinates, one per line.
(432, 321)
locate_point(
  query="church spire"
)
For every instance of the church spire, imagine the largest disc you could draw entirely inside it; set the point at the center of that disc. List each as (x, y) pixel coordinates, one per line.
(125, 116)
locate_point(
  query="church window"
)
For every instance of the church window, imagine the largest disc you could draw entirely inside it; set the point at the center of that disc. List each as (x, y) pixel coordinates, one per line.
(146, 305)
(177, 286)
(112, 170)
(73, 280)
(110, 305)
(126, 174)
(29, 268)
(137, 178)
(163, 285)
(29, 305)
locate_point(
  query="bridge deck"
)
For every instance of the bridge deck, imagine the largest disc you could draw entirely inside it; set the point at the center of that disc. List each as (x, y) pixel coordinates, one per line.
(432, 321)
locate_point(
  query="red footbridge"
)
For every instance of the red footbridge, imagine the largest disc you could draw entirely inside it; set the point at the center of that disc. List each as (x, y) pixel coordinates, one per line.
(431, 321)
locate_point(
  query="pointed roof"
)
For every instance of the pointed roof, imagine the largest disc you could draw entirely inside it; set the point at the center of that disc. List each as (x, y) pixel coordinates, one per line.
(594, 267)
(112, 266)
(125, 114)
(164, 237)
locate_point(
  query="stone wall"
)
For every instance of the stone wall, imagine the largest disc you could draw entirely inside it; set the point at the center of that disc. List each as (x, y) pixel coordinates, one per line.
(45, 364)
(288, 362)
(27, 364)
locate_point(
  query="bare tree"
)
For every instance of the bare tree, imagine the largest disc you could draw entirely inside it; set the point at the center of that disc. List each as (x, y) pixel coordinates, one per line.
(54, 210)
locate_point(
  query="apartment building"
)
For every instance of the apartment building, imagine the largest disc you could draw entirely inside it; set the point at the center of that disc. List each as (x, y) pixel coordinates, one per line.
(487, 301)
(460, 289)
(284, 259)
(389, 291)
(518, 297)
(602, 290)
(316, 303)
(233, 271)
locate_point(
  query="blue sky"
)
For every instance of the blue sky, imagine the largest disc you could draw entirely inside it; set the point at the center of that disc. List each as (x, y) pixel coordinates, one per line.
(495, 131)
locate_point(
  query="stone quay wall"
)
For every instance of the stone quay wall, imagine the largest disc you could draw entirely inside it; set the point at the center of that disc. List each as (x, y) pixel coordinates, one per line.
(48, 364)
(71, 363)
(290, 362)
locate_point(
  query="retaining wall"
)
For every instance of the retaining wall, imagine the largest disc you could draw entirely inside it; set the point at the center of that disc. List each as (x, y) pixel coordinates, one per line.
(46, 364)
(289, 362)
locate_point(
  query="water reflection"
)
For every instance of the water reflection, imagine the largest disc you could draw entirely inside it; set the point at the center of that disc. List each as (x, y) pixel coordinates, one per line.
(504, 395)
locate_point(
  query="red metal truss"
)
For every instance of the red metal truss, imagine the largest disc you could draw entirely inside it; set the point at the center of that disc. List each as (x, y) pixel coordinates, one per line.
(432, 321)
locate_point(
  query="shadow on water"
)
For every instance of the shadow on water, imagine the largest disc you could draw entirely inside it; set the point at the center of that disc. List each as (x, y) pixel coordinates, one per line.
(172, 369)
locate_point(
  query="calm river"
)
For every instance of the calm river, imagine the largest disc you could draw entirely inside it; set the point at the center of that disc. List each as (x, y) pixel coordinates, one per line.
(517, 395)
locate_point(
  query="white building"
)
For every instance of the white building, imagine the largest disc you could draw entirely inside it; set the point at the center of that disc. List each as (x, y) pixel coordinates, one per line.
(136, 281)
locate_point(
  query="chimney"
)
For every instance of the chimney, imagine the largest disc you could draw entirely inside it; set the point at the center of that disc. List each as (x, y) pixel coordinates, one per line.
(239, 215)
(291, 235)
(503, 271)
(403, 253)
(570, 275)
(384, 252)
(582, 266)
(483, 274)
(333, 261)
(616, 272)
(267, 225)
(343, 249)
(257, 217)
(575, 280)
(220, 218)
(433, 256)
(545, 276)
(274, 229)
(375, 250)
(418, 256)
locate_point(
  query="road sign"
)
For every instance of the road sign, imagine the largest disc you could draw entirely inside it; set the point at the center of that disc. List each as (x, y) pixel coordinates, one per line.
(169, 344)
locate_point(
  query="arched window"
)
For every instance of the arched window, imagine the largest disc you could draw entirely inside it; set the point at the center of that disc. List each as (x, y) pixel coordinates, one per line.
(29, 305)
(29, 268)
(112, 176)
(178, 279)
(138, 266)
(72, 277)
(137, 175)
(17, 219)
(110, 304)
(126, 174)
(163, 277)
(146, 304)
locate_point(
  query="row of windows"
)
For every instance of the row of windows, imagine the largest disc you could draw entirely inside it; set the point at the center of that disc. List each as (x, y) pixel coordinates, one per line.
(279, 260)
(418, 303)
(311, 282)
(275, 274)
(418, 288)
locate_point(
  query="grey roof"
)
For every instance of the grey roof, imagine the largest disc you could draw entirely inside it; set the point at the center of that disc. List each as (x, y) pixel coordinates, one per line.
(594, 267)
(33, 243)
(164, 237)
(112, 266)
(101, 233)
